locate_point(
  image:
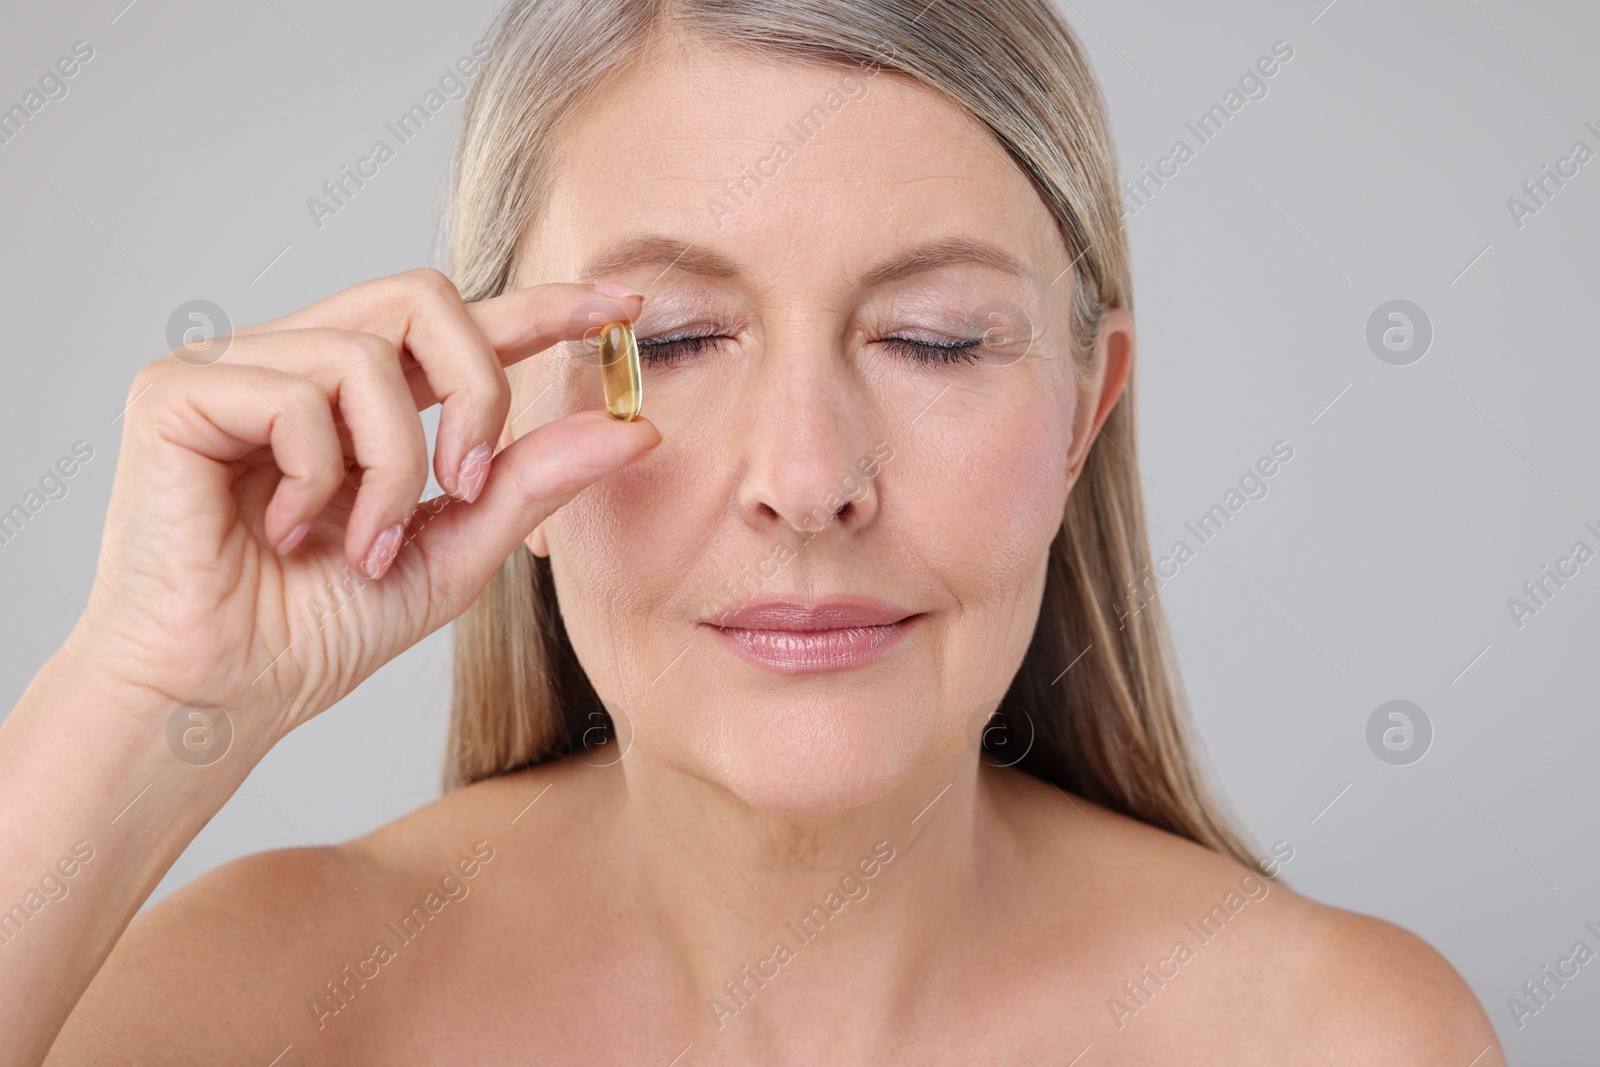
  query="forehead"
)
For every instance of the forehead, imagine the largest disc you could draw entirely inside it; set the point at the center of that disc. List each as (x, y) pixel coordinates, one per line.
(781, 165)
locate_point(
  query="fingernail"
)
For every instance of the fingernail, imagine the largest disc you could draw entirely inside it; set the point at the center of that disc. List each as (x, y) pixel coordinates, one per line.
(621, 292)
(293, 538)
(474, 469)
(385, 547)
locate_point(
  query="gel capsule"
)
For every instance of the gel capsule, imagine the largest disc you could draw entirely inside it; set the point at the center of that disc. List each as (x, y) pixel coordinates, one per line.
(619, 371)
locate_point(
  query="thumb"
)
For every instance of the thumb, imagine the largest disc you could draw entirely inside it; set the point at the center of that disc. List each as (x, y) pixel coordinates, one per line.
(464, 544)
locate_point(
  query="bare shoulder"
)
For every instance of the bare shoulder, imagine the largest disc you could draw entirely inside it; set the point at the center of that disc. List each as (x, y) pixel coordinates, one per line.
(1274, 971)
(259, 954)
(1383, 995)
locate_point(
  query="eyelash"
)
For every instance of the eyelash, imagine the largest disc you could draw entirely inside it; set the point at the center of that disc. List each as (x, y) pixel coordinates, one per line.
(931, 352)
(666, 351)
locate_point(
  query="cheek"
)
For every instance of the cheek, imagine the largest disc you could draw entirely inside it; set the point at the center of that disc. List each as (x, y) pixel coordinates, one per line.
(989, 486)
(989, 481)
(629, 555)
(568, 382)
(969, 502)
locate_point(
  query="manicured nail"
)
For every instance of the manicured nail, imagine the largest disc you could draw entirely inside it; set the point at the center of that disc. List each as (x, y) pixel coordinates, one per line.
(293, 538)
(385, 547)
(474, 469)
(620, 292)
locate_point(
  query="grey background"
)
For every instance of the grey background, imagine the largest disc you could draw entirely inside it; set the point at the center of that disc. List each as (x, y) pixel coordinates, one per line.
(1378, 567)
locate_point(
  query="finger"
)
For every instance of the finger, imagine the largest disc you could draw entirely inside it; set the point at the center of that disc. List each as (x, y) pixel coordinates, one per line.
(524, 321)
(461, 371)
(220, 414)
(361, 374)
(512, 327)
(515, 324)
(455, 353)
(443, 353)
(463, 545)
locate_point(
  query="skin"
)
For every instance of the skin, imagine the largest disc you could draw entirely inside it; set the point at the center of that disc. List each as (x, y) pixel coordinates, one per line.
(609, 899)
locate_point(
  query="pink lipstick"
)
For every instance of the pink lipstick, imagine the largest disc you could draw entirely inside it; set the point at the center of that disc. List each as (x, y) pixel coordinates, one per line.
(810, 637)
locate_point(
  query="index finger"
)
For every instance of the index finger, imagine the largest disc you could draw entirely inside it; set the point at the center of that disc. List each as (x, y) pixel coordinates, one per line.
(524, 321)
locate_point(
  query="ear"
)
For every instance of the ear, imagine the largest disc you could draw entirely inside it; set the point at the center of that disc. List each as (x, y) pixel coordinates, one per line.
(1102, 388)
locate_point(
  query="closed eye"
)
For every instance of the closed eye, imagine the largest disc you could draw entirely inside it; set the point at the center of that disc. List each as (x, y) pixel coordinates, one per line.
(666, 351)
(935, 351)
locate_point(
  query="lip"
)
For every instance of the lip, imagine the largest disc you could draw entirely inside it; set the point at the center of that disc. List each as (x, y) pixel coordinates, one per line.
(812, 636)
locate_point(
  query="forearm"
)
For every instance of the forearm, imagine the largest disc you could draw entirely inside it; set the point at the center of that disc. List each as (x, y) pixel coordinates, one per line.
(95, 806)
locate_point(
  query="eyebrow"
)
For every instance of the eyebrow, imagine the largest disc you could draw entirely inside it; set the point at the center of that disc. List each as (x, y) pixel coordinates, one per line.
(953, 251)
(660, 250)
(671, 253)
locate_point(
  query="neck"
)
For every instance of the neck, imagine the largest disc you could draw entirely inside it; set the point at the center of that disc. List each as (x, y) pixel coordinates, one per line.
(767, 911)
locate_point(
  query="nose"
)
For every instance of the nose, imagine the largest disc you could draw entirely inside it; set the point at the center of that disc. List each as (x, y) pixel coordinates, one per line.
(806, 439)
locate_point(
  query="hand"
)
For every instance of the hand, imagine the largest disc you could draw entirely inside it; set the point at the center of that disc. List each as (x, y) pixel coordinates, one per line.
(264, 549)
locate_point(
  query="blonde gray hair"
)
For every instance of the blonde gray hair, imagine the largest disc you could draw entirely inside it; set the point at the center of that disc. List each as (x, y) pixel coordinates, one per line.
(1114, 728)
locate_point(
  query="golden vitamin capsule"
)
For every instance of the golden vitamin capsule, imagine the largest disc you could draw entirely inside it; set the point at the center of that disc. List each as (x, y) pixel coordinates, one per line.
(619, 371)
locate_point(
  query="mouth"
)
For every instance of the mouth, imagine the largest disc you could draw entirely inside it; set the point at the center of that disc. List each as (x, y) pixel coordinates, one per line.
(812, 637)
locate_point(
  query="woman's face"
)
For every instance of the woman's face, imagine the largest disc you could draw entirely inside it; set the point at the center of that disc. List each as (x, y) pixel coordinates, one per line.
(873, 406)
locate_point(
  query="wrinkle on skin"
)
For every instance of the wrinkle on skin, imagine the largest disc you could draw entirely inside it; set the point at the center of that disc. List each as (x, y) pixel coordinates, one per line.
(798, 392)
(739, 778)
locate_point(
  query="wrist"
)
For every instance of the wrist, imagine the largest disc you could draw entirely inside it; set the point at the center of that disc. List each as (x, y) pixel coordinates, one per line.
(94, 700)
(86, 748)
(91, 667)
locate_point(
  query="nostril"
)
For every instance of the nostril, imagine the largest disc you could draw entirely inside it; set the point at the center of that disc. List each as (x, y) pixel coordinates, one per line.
(807, 505)
(818, 519)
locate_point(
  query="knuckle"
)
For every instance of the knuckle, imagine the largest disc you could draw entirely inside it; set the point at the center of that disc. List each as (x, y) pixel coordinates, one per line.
(402, 477)
(364, 349)
(414, 479)
(481, 381)
(404, 455)
(152, 374)
(151, 379)
(304, 397)
(165, 377)
(410, 456)
(428, 284)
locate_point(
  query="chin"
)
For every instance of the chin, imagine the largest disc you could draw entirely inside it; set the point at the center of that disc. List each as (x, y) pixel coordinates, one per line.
(819, 758)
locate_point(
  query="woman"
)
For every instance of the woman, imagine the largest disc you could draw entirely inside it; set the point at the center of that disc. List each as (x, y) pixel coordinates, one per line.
(800, 721)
